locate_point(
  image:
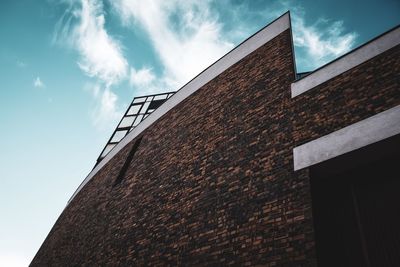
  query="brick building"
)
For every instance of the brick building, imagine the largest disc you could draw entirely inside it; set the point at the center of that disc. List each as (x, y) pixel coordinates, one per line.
(251, 164)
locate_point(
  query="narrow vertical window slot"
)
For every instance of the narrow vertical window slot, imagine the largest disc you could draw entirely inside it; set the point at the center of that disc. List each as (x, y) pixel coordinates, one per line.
(127, 162)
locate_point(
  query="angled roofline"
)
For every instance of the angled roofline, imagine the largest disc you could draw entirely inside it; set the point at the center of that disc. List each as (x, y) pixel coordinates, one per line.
(351, 59)
(248, 46)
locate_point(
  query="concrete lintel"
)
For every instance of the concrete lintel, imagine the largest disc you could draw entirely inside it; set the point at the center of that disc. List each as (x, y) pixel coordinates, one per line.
(373, 129)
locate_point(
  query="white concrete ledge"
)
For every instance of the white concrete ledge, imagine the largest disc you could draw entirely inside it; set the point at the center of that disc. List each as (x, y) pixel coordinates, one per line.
(248, 46)
(373, 129)
(349, 61)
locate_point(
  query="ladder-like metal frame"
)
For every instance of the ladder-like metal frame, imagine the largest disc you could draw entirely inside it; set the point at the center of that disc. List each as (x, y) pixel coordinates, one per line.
(138, 110)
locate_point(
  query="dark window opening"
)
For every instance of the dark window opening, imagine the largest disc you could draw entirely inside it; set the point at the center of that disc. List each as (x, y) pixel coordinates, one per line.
(128, 161)
(356, 207)
(156, 103)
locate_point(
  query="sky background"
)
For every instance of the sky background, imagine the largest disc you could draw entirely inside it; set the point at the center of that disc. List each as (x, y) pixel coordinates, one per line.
(68, 69)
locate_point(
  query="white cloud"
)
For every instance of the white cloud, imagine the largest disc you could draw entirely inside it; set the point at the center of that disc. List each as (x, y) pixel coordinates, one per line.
(82, 26)
(321, 42)
(21, 64)
(100, 55)
(93, 89)
(316, 43)
(105, 111)
(38, 83)
(185, 35)
(141, 78)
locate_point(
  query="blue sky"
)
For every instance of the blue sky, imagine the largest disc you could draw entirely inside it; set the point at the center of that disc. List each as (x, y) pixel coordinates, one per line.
(69, 68)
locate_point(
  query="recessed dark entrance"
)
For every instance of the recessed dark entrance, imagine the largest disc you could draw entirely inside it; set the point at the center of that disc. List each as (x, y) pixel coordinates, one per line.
(356, 207)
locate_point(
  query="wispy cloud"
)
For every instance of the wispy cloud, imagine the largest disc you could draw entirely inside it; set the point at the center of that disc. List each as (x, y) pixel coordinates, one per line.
(188, 43)
(101, 55)
(142, 77)
(185, 34)
(316, 42)
(38, 83)
(187, 37)
(21, 64)
(321, 42)
(105, 112)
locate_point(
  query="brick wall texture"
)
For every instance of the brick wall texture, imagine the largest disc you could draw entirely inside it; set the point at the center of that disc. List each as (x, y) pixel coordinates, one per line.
(212, 182)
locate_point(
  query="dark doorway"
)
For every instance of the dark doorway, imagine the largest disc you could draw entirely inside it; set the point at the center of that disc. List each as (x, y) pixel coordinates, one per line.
(356, 207)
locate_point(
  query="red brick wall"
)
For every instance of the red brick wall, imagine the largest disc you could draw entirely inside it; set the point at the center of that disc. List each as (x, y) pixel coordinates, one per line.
(212, 182)
(357, 94)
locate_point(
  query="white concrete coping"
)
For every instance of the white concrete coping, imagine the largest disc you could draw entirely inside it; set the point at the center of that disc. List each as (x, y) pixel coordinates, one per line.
(371, 130)
(239, 52)
(350, 60)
